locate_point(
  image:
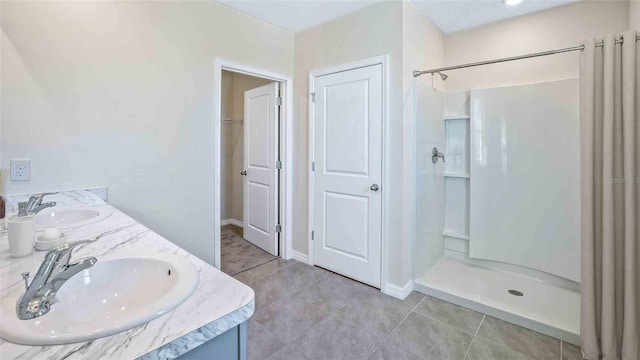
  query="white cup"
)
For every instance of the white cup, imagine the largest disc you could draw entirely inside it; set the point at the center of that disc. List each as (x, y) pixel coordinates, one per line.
(22, 233)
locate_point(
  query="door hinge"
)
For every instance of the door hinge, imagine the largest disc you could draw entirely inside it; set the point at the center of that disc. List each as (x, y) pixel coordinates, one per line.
(313, 166)
(279, 101)
(313, 97)
(312, 235)
(278, 165)
(278, 228)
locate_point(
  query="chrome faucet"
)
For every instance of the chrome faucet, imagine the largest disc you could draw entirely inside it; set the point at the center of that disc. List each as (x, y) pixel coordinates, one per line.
(35, 205)
(54, 271)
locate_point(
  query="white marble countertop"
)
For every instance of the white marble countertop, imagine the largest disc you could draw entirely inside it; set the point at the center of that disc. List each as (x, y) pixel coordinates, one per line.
(218, 303)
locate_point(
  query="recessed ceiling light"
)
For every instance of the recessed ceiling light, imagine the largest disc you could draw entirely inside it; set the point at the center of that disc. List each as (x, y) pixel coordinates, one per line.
(511, 2)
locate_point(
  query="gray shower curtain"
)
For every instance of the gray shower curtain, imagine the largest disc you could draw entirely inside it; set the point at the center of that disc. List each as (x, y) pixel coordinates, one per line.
(610, 187)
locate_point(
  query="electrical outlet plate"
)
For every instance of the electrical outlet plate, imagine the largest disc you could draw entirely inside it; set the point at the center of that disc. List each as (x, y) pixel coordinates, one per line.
(20, 170)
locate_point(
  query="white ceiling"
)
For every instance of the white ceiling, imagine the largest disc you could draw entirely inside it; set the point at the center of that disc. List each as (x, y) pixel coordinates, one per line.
(297, 15)
(456, 15)
(448, 15)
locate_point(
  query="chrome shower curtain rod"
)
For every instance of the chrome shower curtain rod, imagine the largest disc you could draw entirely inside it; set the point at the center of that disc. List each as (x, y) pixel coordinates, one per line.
(417, 73)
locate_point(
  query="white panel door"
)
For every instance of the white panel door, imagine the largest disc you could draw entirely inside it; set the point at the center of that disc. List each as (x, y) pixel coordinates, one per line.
(348, 173)
(261, 177)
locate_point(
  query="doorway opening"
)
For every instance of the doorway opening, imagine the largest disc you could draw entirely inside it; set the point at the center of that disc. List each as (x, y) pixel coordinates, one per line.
(252, 172)
(248, 199)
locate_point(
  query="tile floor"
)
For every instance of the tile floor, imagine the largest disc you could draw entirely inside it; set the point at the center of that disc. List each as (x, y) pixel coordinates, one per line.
(307, 313)
(237, 254)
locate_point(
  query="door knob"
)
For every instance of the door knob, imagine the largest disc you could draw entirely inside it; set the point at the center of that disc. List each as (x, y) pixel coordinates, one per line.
(244, 173)
(374, 187)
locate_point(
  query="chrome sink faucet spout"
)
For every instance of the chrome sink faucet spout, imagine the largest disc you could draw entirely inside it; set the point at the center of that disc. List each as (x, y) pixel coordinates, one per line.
(35, 205)
(54, 271)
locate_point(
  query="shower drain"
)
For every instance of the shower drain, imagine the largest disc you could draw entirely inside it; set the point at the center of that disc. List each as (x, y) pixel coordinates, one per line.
(515, 292)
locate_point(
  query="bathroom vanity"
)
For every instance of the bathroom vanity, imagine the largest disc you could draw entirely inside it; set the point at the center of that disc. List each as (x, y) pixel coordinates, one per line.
(209, 324)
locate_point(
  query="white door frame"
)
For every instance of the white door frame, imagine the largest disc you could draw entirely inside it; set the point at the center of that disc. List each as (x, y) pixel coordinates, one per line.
(384, 61)
(286, 152)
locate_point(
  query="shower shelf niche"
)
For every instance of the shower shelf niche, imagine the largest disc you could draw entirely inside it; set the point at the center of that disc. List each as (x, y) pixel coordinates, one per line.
(456, 175)
(455, 234)
(457, 117)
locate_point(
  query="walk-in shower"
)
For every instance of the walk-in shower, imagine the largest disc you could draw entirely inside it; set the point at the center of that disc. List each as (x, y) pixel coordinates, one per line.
(497, 226)
(502, 215)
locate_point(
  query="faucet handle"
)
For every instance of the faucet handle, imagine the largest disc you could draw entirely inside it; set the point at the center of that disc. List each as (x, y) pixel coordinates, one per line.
(25, 277)
(40, 196)
(36, 199)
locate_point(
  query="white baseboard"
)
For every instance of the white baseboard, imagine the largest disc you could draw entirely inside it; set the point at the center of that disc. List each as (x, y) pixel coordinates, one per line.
(303, 258)
(235, 222)
(399, 292)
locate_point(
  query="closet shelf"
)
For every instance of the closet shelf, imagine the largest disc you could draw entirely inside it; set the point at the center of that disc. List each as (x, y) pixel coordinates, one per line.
(456, 175)
(455, 234)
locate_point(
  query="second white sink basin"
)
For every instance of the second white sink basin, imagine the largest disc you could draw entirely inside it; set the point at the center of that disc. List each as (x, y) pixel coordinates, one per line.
(113, 296)
(70, 217)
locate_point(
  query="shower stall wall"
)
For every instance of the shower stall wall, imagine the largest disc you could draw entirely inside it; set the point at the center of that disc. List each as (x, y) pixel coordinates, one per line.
(429, 217)
(525, 190)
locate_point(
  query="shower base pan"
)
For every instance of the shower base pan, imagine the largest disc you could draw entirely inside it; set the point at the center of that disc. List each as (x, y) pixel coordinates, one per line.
(542, 307)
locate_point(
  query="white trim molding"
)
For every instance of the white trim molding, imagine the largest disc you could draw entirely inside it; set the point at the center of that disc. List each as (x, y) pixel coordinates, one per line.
(377, 60)
(399, 292)
(286, 151)
(233, 222)
(303, 258)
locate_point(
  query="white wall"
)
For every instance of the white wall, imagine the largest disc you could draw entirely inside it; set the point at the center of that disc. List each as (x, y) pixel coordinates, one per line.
(121, 94)
(373, 31)
(634, 15)
(232, 157)
(550, 29)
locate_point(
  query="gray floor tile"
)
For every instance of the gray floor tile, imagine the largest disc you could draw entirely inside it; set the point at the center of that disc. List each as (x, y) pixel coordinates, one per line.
(261, 343)
(288, 353)
(387, 351)
(333, 339)
(245, 277)
(267, 292)
(413, 299)
(430, 339)
(289, 318)
(571, 352)
(271, 267)
(453, 315)
(522, 340)
(482, 349)
(376, 312)
(297, 276)
(237, 254)
(332, 292)
(276, 286)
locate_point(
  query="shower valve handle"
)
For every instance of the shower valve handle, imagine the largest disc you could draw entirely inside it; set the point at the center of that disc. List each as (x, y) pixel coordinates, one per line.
(435, 154)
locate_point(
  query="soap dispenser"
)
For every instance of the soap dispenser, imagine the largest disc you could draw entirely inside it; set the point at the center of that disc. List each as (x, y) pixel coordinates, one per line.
(21, 232)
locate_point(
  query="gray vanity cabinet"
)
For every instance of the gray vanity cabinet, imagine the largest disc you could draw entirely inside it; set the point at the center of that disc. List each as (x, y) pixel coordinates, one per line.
(229, 345)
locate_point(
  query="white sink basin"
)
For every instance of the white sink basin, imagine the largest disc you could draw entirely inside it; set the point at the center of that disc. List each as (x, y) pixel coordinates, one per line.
(113, 296)
(70, 217)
